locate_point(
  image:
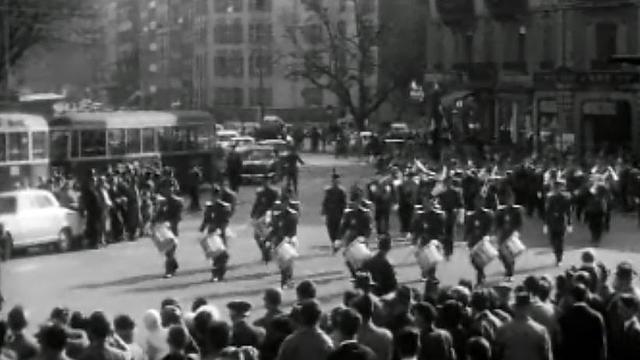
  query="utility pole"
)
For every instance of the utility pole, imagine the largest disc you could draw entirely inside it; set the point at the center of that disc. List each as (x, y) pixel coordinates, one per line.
(7, 46)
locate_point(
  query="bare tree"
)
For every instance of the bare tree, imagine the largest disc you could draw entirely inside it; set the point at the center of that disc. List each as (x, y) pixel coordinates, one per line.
(339, 53)
(27, 23)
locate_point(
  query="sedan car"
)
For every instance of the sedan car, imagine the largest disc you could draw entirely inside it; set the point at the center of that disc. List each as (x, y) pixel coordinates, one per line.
(225, 138)
(242, 142)
(258, 161)
(30, 218)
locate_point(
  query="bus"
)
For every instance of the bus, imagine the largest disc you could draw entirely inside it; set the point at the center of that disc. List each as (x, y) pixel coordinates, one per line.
(24, 155)
(81, 141)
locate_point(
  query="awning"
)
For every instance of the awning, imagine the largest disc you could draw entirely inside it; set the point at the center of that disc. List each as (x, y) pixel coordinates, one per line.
(449, 99)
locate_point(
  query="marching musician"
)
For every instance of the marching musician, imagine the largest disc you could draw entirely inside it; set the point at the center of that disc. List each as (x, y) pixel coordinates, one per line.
(557, 218)
(284, 229)
(508, 221)
(333, 207)
(406, 198)
(266, 196)
(428, 224)
(451, 203)
(596, 213)
(161, 216)
(228, 195)
(381, 194)
(174, 208)
(216, 219)
(356, 222)
(478, 224)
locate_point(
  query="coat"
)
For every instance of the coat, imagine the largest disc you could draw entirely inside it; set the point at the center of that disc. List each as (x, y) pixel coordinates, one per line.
(583, 334)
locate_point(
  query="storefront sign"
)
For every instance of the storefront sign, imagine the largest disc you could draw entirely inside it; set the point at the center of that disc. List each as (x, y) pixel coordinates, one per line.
(503, 10)
(606, 108)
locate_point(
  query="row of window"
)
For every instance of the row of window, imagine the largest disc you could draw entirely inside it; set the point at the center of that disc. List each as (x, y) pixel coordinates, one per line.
(14, 146)
(235, 6)
(230, 63)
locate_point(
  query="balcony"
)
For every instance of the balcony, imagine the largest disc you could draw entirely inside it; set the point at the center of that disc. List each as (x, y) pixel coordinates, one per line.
(519, 67)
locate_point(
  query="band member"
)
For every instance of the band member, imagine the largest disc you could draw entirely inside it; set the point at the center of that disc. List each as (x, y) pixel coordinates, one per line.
(356, 222)
(175, 206)
(228, 195)
(193, 187)
(381, 194)
(266, 196)
(428, 224)
(161, 216)
(596, 213)
(234, 169)
(333, 206)
(557, 219)
(284, 229)
(451, 203)
(291, 161)
(216, 219)
(508, 221)
(406, 198)
(478, 224)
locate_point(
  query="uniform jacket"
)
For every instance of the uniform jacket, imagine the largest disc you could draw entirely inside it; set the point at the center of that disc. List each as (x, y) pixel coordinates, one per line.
(357, 221)
(558, 212)
(216, 217)
(285, 224)
(245, 334)
(508, 220)
(478, 224)
(334, 202)
(265, 197)
(428, 225)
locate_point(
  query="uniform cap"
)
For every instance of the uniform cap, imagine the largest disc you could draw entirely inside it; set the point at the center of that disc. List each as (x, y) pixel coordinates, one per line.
(239, 307)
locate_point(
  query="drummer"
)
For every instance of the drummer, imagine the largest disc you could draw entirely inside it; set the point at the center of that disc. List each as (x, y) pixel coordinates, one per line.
(162, 216)
(216, 218)
(478, 224)
(508, 221)
(356, 223)
(428, 224)
(284, 229)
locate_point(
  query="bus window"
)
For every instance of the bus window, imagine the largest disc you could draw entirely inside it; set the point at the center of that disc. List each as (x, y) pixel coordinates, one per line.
(117, 144)
(18, 146)
(39, 145)
(3, 147)
(192, 138)
(148, 142)
(75, 144)
(133, 141)
(93, 143)
(59, 145)
(182, 137)
(166, 138)
(204, 135)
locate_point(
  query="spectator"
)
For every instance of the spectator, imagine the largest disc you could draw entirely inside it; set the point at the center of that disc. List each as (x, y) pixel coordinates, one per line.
(60, 316)
(408, 344)
(523, 338)
(77, 339)
(170, 315)
(451, 320)
(307, 342)
(622, 284)
(543, 311)
(243, 333)
(435, 344)
(23, 345)
(217, 339)
(99, 330)
(5, 354)
(484, 322)
(478, 348)
(400, 311)
(279, 328)
(378, 339)
(177, 339)
(203, 318)
(381, 270)
(198, 303)
(583, 332)
(349, 348)
(154, 345)
(306, 290)
(124, 327)
(272, 300)
(53, 341)
(630, 341)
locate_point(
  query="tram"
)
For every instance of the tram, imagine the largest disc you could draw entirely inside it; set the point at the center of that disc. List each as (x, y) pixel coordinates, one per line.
(24, 150)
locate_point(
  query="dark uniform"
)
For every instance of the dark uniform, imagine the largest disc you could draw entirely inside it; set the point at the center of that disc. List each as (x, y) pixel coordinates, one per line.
(234, 170)
(291, 161)
(230, 197)
(356, 222)
(596, 214)
(216, 218)
(450, 202)
(478, 224)
(381, 193)
(428, 225)
(406, 198)
(333, 207)
(285, 228)
(508, 220)
(195, 178)
(162, 215)
(557, 221)
(93, 208)
(175, 206)
(266, 196)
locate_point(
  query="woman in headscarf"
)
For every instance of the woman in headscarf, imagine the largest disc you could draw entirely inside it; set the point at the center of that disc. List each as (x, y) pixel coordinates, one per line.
(155, 345)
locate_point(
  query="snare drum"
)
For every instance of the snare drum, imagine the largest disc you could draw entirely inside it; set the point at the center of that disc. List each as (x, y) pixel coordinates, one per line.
(513, 247)
(483, 253)
(357, 253)
(212, 245)
(163, 238)
(429, 255)
(285, 253)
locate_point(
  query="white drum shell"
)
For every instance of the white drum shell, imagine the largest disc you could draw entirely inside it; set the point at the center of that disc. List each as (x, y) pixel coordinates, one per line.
(357, 254)
(285, 254)
(429, 255)
(513, 246)
(212, 245)
(484, 253)
(163, 238)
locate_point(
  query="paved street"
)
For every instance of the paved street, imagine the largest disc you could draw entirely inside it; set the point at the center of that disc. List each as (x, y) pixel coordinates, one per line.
(127, 277)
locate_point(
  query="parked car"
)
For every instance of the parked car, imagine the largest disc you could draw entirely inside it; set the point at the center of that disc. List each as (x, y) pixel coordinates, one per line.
(30, 218)
(225, 138)
(399, 131)
(258, 161)
(279, 145)
(242, 142)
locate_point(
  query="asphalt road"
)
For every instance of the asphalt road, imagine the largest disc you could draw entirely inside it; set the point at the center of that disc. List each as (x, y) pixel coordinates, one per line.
(127, 277)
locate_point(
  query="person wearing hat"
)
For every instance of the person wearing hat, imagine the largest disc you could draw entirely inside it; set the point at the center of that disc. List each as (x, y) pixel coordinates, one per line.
(451, 203)
(509, 220)
(628, 309)
(243, 333)
(583, 332)
(334, 204)
(291, 161)
(175, 205)
(406, 195)
(215, 220)
(356, 223)
(284, 230)
(381, 193)
(266, 196)
(478, 224)
(557, 220)
(160, 217)
(428, 225)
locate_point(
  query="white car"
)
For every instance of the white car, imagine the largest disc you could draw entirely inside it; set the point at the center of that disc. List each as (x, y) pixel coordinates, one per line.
(243, 141)
(31, 218)
(225, 138)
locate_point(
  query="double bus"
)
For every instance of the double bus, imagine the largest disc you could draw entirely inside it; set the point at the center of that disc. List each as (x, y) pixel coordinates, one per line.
(81, 141)
(24, 150)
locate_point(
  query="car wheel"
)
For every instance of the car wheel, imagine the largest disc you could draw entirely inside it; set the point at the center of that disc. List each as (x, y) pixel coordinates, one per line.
(7, 248)
(64, 240)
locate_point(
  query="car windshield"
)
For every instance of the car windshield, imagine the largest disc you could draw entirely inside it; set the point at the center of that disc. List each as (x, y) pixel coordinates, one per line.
(8, 205)
(225, 137)
(257, 155)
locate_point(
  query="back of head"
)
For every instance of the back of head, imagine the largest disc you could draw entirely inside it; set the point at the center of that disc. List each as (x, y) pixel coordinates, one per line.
(60, 314)
(177, 338)
(98, 326)
(426, 311)
(349, 323)
(151, 320)
(408, 342)
(78, 321)
(273, 297)
(169, 302)
(17, 319)
(198, 303)
(364, 306)
(349, 296)
(123, 322)
(480, 300)
(578, 293)
(478, 348)
(306, 290)
(309, 313)
(52, 337)
(218, 335)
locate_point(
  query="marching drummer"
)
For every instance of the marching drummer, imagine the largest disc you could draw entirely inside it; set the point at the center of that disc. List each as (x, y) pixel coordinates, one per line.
(266, 196)
(508, 221)
(428, 224)
(356, 223)
(216, 219)
(557, 218)
(162, 216)
(283, 234)
(478, 224)
(333, 206)
(450, 201)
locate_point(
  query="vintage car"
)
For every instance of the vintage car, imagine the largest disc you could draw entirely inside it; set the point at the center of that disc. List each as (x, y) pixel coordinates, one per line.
(280, 146)
(30, 218)
(242, 142)
(225, 138)
(258, 161)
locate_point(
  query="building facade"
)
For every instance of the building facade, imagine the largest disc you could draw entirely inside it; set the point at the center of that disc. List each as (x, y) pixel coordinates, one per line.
(538, 70)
